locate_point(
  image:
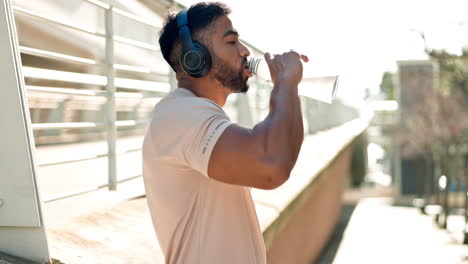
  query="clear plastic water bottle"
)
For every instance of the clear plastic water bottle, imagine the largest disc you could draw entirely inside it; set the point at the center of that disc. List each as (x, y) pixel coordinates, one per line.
(321, 88)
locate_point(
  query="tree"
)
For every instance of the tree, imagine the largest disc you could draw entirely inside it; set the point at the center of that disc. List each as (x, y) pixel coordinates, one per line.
(386, 86)
(453, 71)
(437, 127)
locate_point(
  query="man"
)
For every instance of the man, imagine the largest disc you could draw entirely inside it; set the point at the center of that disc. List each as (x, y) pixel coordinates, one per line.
(197, 165)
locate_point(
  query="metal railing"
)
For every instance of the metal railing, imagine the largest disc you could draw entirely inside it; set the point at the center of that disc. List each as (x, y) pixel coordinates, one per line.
(110, 81)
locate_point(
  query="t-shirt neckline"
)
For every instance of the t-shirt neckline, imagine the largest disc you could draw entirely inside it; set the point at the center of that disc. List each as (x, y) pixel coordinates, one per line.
(185, 90)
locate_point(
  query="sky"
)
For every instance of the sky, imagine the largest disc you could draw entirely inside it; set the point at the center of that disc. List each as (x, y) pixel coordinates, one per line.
(357, 39)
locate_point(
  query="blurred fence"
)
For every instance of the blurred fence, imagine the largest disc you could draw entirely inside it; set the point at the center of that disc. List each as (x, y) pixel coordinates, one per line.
(57, 99)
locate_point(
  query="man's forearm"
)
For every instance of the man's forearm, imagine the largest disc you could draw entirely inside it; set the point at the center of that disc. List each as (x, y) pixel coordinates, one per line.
(299, 131)
(282, 131)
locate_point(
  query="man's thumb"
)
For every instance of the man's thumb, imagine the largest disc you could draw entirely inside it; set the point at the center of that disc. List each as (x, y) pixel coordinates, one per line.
(268, 57)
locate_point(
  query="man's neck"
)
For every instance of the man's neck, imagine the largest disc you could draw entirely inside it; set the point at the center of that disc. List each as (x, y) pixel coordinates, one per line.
(209, 89)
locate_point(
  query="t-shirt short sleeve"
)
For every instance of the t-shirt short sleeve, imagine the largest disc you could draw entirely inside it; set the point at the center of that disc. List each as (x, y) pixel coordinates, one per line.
(210, 122)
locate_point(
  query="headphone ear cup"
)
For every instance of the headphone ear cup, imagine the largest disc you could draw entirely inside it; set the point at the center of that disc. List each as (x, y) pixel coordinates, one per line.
(207, 58)
(196, 61)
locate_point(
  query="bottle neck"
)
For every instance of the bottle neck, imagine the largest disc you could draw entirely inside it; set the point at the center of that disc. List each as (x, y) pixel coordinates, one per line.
(252, 65)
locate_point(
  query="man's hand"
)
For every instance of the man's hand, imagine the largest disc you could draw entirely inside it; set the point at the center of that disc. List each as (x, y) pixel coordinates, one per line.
(286, 67)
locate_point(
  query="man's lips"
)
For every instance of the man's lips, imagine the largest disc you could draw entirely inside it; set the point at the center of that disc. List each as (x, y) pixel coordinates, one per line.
(248, 73)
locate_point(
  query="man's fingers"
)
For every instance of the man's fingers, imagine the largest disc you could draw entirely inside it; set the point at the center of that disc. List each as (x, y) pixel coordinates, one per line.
(302, 56)
(294, 52)
(268, 57)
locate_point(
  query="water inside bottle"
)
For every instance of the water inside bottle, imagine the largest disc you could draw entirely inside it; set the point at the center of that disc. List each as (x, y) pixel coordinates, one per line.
(322, 88)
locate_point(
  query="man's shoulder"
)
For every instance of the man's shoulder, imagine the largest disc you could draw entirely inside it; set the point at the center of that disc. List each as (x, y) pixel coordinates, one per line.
(180, 109)
(183, 103)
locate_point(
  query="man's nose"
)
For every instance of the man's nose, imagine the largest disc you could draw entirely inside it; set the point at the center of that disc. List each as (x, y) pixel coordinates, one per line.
(244, 51)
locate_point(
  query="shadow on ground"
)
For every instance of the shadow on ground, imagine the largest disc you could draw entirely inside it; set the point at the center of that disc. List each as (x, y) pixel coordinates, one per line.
(329, 252)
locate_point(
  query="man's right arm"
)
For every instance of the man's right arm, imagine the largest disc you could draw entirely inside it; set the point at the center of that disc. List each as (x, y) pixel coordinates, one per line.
(264, 156)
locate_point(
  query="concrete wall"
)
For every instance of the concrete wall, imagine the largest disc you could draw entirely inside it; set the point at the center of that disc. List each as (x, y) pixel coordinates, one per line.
(309, 203)
(309, 228)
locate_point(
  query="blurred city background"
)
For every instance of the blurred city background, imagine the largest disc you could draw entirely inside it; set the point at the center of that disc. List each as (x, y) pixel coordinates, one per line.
(382, 177)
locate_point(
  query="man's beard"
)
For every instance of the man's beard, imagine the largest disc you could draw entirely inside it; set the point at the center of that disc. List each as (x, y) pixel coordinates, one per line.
(230, 78)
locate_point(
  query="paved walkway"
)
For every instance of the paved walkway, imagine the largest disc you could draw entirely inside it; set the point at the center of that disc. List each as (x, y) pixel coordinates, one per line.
(374, 231)
(120, 234)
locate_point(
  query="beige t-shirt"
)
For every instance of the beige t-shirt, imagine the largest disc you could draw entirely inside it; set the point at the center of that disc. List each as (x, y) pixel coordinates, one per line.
(197, 219)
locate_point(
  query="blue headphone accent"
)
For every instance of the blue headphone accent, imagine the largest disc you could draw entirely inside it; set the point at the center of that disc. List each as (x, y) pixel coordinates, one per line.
(194, 57)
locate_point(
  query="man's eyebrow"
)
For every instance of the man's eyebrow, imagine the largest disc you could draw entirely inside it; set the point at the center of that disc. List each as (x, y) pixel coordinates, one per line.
(230, 32)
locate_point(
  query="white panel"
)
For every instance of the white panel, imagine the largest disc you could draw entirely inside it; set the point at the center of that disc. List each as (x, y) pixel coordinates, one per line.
(19, 203)
(24, 242)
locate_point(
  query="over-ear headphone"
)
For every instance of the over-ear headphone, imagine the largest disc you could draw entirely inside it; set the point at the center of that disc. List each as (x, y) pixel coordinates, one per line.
(194, 57)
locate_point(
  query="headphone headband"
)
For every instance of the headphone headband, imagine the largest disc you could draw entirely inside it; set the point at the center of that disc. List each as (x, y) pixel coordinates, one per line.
(184, 30)
(182, 19)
